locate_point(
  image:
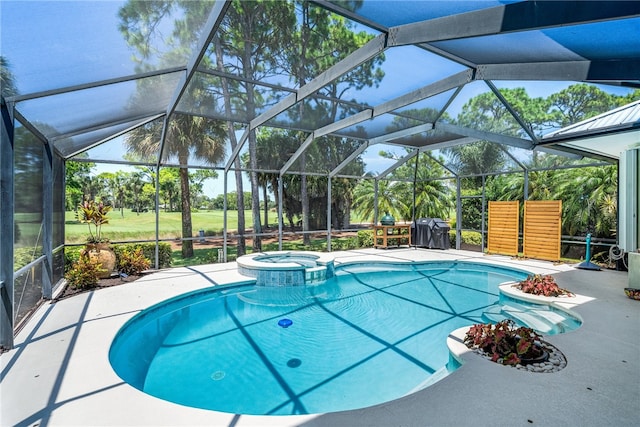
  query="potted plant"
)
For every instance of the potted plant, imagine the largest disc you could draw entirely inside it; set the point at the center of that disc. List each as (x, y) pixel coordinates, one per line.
(94, 214)
(507, 344)
(538, 284)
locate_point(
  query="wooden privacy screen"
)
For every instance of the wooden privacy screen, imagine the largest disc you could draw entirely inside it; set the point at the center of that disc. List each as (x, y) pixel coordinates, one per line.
(504, 227)
(542, 229)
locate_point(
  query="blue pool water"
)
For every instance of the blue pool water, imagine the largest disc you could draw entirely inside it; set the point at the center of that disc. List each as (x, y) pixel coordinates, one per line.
(370, 334)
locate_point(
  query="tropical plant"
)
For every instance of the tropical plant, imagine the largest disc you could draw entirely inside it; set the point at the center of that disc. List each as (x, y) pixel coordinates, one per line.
(132, 261)
(149, 251)
(588, 196)
(504, 342)
(84, 273)
(538, 284)
(94, 214)
(388, 199)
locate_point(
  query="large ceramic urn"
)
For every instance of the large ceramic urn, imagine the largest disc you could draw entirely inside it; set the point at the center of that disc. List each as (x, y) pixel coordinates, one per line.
(104, 254)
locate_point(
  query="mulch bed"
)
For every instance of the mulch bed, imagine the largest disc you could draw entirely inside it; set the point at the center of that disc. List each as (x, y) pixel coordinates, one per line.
(70, 291)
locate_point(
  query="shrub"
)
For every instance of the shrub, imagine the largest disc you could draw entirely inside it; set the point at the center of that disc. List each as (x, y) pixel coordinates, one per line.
(537, 284)
(468, 237)
(71, 256)
(345, 244)
(212, 256)
(23, 256)
(84, 273)
(504, 342)
(149, 252)
(365, 238)
(132, 261)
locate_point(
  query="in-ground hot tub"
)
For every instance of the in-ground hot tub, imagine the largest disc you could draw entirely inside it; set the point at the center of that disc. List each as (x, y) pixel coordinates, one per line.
(287, 268)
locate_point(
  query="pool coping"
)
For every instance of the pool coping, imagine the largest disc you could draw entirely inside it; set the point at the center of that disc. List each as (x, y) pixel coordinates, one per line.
(39, 387)
(250, 261)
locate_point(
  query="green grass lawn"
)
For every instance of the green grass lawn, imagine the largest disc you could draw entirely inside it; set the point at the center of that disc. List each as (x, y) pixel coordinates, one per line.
(134, 226)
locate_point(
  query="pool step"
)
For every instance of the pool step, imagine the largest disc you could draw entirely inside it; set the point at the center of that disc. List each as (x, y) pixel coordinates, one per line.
(542, 319)
(533, 318)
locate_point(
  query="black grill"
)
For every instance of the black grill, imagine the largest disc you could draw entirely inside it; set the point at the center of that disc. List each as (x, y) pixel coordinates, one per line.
(432, 233)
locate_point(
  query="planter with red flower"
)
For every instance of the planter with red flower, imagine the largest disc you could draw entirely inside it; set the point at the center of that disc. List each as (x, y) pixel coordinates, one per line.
(506, 343)
(544, 285)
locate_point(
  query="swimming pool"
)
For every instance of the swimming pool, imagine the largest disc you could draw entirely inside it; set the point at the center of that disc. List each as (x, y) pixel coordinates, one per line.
(372, 333)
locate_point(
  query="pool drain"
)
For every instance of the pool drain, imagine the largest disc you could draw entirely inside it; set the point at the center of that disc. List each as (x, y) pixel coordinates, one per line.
(294, 363)
(217, 375)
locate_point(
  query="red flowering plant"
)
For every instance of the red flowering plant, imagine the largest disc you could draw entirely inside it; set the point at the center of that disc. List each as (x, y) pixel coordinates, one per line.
(504, 342)
(537, 284)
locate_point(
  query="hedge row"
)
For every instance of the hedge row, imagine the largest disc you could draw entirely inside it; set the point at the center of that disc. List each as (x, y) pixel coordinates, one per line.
(71, 255)
(365, 238)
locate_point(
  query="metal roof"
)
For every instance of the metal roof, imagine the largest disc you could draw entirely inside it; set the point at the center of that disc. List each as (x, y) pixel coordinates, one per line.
(605, 135)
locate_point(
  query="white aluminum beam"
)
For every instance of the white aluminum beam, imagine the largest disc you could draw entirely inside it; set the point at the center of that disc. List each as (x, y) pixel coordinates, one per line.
(297, 154)
(448, 83)
(211, 26)
(110, 137)
(371, 49)
(402, 133)
(341, 124)
(448, 144)
(349, 159)
(488, 136)
(550, 150)
(146, 118)
(236, 150)
(509, 19)
(435, 88)
(30, 126)
(344, 123)
(512, 111)
(401, 161)
(75, 88)
(588, 71)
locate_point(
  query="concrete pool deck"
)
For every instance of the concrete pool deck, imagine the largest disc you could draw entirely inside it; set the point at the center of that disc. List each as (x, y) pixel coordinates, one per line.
(59, 373)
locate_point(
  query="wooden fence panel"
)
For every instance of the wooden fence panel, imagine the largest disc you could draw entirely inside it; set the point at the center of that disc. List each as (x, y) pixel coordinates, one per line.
(542, 229)
(504, 225)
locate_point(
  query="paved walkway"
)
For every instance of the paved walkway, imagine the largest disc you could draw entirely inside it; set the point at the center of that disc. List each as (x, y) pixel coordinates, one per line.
(59, 373)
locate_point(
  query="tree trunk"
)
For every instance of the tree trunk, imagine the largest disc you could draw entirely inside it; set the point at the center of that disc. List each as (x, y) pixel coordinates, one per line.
(253, 158)
(187, 229)
(242, 241)
(266, 205)
(346, 221)
(304, 196)
(242, 248)
(302, 78)
(255, 193)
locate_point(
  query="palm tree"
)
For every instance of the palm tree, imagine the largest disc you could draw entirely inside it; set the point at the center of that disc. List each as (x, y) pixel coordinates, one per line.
(388, 200)
(588, 196)
(477, 158)
(187, 136)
